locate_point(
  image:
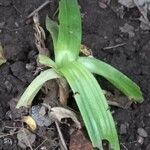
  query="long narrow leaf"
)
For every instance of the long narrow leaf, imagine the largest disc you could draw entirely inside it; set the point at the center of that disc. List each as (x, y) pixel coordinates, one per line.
(118, 79)
(31, 91)
(45, 60)
(69, 36)
(92, 105)
(52, 27)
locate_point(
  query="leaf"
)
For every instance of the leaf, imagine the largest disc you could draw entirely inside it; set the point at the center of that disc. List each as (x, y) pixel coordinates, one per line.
(63, 91)
(31, 91)
(69, 36)
(45, 60)
(25, 138)
(92, 105)
(118, 79)
(30, 122)
(2, 58)
(58, 113)
(78, 141)
(52, 27)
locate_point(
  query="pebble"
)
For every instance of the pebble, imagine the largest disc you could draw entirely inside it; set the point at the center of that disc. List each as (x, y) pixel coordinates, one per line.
(30, 67)
(8, 141)
(123, 129)
(118, 40)
(16, 24)
(8, 85)
(40, 119)
(140, 140)
(142, 132)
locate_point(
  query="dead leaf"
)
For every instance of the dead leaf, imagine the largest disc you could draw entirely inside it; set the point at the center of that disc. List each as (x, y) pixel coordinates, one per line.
(30, 122)
(39, 36)
(145, 24)
(103, 3)
(117, 99)
(2, 58)
(63, 91)
(79, 142)
(144, 8)
(85, 50)
(25, 138)
(127, 3)
(58, 113)
(51, 91)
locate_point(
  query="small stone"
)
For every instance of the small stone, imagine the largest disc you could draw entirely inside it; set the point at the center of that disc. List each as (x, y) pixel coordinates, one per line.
(30, 66)
(8, 141)
(118, 40)
(142, 132)
(140, 140)
(102, 5)
(123, 129)
(16, 24)
(43, 148)
(8, 85)
(18, 69)
(40, 119)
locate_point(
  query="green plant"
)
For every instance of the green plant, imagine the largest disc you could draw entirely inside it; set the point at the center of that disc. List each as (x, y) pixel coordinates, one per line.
(78, 72)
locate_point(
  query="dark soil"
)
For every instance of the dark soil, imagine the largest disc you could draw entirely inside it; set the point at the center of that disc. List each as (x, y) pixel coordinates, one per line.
(100, 30)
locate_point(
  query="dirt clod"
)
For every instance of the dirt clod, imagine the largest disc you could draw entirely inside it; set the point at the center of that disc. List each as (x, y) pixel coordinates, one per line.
(142, 132)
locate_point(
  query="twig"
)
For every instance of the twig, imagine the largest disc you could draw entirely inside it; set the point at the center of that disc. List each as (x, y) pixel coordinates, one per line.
(12, 127)
(4, 135)
(17, 10)
(38, 9)
(61, 136)
(40, 144)
(115, 46)
(124, 146)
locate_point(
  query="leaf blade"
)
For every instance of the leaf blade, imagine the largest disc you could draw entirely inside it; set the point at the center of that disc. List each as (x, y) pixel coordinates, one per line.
(69, 37)
(118, 79)
(52, 27)
(45, 60)
(31, 91)
(92, 105)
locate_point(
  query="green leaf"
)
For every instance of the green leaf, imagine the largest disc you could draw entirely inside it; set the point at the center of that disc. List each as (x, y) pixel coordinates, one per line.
(52, 27)
(92, 105)
(31, 91)
(45, 60)
(69, 36)
(118, 79)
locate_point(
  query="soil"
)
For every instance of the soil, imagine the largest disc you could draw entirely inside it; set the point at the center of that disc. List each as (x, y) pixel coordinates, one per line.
(100, 30)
